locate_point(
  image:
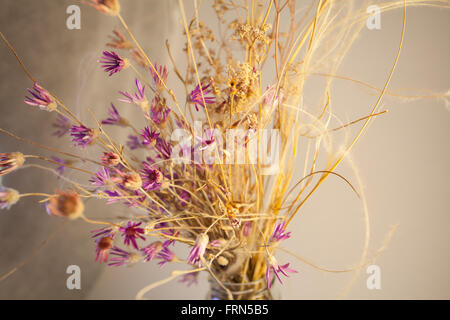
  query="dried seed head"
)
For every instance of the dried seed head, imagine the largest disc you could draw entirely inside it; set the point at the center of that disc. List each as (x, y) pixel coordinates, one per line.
(65, 204)
(8, 197)
(105, 243)
(222, 261)
(110, 159)
(10, 162)
(132, 181)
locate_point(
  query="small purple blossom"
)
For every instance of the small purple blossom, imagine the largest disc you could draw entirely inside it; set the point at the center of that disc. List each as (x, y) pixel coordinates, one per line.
(185, 197)
(159, 112)
(208, 141)
(112, 195)
(123, 257)
(104, 244)
(276, 269)
(198, 250)
(151, 177)
(62, 168)
(149, 136)
(102, 177)
(138, 97)
(162, 72)
(40, 98)
(82, 136)
(62, 126)
(112, 62)
(104, 232)
(166, 255)
(137, 201)
(279, 233)
(133, 142)
(131, 232)
(114, 117)
(197, 99)
(164, 149)
(152, 250)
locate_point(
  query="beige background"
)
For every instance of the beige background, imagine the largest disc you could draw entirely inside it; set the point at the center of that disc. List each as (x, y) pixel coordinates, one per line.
(402, 160)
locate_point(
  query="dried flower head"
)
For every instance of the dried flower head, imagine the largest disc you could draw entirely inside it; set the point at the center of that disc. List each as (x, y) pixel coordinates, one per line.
(198, 99)
(65, 204)
(83, 136)
(104, 244)
(119, 41)
(272, 265)
(131, 180)
(8, 197)
(115, 118)
(199, 249)
(159, 77)
(62, 126)
(10, 162)
(112, 62)
(110, 159)
(139, 98)
(131, 232)
(40, 98)
(109, 7)
(149, 136)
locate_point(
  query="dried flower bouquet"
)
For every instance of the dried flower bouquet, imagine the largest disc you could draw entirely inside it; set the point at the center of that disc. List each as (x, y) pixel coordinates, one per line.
(215, 168)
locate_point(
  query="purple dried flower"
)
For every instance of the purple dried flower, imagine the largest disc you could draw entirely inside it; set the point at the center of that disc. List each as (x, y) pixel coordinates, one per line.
(114, 117)
(152, 250)
(105, 232)
(8, 197)
(10, 162)
(185, 197)
(104, 244)
(134, 142)
(208, 141)
(152, 178)
(62, 125)
(159, 112)
(198, 250)
(110, 159)
(149, 136)
(102, 177)
(139, 97)
(112, 62)
(196, 96)
(123, 257)
(112, 195)
(279, 233)
(137, 201)
(166, 255)
(40, 98)
(164, 149)
(82, 136)
(131, 232)
(276, 268)
(162, 71)
(62, 167)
